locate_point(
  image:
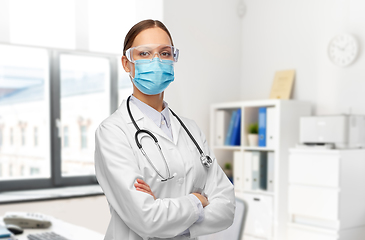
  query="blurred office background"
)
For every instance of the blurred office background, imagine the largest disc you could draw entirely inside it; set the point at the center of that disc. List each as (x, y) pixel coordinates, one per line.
(60, 68)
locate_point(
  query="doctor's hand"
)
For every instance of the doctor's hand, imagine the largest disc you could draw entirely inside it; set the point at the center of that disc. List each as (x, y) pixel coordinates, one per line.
(202, 199)
(144, 187)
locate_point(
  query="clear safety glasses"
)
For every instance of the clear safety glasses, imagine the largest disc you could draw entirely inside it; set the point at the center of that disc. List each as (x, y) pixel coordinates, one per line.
(149, 51)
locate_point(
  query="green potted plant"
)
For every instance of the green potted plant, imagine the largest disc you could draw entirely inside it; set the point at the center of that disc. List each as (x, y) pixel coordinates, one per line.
(253, 136)
(228, 170)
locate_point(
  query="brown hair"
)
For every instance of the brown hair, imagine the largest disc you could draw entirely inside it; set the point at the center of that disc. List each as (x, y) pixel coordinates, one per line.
(139, 27)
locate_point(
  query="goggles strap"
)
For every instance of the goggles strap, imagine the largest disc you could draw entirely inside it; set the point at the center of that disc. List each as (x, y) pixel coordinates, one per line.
(130, 75)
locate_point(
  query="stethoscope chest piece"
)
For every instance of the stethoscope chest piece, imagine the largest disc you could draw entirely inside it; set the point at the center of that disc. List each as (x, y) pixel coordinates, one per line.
(206, 160)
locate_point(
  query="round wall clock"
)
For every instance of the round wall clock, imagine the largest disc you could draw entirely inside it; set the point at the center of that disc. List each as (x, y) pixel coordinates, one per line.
(343, 50)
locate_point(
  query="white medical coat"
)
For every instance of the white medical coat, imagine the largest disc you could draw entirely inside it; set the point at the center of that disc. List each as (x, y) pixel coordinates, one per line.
(136, 215)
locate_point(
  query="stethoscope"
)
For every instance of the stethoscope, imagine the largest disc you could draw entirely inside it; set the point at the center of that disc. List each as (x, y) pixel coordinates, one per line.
(205, 159)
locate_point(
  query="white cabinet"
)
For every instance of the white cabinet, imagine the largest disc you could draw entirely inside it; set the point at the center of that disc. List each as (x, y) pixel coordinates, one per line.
(298, 233)
(314, 201)
(267, 206)
(312, 169)
(326, 194)
(259, 222)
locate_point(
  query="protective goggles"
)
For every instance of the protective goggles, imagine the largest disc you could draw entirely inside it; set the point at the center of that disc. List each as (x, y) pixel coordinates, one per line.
(149, 51)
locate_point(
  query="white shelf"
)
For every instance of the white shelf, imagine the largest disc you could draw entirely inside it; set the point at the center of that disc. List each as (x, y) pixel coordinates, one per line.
(256, 103)
(259, 192)
(239, 148)
(234, 148)
(285, 133)
(258, 149)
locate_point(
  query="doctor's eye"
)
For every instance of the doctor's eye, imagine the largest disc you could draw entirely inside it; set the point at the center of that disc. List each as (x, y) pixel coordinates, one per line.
(144, 54)
(165, 54)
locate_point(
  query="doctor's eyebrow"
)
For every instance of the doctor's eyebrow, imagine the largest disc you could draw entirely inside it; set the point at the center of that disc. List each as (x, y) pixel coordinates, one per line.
(165, 47)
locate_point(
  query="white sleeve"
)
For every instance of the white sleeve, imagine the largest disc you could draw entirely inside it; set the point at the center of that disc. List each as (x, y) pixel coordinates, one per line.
(199, 205)
(117, 170)
(219, 214)
(201, 212)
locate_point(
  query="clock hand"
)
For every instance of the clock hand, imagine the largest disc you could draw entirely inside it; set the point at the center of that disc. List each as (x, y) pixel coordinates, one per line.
(340, 48)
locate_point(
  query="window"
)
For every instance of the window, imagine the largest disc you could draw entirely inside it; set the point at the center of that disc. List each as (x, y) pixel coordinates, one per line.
(85, 103)
(10, 170)
(24, 99)
(23, 136)
(65, 137)
(1, 137)
(83, 137)
(35, 136)
(70, 92)
(42, 23)
(11, 137)
(84, 91)
(34, 171)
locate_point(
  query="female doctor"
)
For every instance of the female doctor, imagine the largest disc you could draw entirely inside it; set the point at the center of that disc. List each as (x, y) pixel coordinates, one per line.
(157, 172)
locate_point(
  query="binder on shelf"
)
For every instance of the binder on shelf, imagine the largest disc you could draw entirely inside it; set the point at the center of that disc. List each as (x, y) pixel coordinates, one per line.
(230, 129)
(247, 172)
(270, 171)
(222, 124)
(236, 131)
(259, 170)
(270, 127)
(263, 171)
(262, 127)
(255, 170)
(238, 170)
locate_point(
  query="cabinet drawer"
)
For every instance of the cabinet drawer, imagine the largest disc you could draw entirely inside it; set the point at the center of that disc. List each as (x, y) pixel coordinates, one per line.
(259, 219)
(306, 234)
(322, 203)
(315, 169)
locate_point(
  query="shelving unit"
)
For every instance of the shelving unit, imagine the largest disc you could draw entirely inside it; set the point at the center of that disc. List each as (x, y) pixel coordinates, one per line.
(270, 206)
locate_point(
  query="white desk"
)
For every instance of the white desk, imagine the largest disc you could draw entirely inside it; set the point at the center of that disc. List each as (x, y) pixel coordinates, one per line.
(65, 229)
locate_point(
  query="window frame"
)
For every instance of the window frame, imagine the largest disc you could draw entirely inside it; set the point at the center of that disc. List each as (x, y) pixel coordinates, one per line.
(56, 180)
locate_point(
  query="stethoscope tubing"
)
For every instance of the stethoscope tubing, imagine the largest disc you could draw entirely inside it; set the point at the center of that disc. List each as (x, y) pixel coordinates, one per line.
(206, 161)
(188, 132)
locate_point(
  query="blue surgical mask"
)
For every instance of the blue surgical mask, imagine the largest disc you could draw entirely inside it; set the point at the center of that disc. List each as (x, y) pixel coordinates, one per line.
(153, 77)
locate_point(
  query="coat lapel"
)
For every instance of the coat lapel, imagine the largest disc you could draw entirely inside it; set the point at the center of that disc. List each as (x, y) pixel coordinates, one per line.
(144, 122)
(176, 126)
(136, 113)
(151, 126)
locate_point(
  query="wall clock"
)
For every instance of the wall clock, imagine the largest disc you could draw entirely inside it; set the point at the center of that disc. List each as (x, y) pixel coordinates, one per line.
(343, 50)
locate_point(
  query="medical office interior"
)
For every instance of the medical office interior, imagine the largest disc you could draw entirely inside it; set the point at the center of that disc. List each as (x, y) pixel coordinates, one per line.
(61, 75)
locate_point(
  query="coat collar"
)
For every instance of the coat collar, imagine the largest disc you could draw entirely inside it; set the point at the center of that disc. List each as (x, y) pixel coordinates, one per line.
(144, 122)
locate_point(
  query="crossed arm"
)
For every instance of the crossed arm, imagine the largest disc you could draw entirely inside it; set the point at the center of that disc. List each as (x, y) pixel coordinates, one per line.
(142, 186)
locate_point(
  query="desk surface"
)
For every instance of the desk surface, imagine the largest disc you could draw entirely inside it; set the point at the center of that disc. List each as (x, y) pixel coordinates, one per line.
(62, 228)
(49, 194)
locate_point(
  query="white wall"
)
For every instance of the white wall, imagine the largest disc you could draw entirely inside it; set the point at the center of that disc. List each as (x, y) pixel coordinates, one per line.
(287, 34)
(207, 32)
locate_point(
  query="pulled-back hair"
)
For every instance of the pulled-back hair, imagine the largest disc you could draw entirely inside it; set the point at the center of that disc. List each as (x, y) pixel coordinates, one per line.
(139, 27)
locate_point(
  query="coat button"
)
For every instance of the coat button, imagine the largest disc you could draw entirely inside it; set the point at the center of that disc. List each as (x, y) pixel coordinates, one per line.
(181, 181)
